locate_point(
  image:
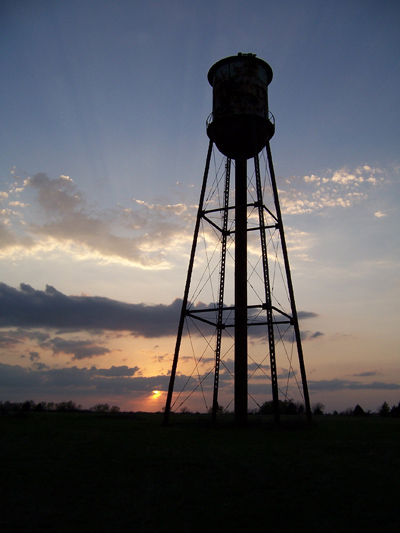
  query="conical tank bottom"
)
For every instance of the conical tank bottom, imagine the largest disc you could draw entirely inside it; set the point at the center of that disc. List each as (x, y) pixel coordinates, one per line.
(240, 136)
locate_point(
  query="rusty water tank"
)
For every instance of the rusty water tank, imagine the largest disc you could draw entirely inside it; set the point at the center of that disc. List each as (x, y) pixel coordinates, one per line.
(240, 123)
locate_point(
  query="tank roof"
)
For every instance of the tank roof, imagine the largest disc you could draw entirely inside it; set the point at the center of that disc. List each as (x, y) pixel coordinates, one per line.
(251, 57)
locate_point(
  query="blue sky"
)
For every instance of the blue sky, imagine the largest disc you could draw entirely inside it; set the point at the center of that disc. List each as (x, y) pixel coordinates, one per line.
(103, 108)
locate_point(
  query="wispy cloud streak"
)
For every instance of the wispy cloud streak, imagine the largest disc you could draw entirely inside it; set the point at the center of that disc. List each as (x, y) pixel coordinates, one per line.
(339, 188)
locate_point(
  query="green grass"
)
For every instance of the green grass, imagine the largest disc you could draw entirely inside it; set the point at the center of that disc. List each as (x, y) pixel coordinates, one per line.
(86, 472)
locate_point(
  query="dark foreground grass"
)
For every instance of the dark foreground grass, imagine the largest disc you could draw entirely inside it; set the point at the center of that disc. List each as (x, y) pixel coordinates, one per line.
(84, 472)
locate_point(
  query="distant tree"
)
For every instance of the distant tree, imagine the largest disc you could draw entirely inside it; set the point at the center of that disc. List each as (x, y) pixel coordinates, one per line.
(7, 406)
(359, 411)
(290, 408)
(267, 408)
(115, 409)
(286, 407)
(71, 406)
(301, 409)
(318, 408)
(27, 406)
(384, 410)
(347, 412)
(220, 410)
(395, 411)
(61, 406)
(67, 406)
(100, 408)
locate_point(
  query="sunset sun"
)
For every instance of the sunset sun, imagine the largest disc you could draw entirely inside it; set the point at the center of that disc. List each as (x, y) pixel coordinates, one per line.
(155, 394)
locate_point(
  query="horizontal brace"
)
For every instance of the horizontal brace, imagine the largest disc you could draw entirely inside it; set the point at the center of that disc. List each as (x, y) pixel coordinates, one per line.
(232, 308)
(272, 226)
(203, 320)
(266, 323)
(217, 209)
(249, 324)
(283, 313)
(217, 227)
(208, 310)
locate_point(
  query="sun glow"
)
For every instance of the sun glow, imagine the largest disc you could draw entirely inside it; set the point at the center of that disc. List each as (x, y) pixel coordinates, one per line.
(156, 394)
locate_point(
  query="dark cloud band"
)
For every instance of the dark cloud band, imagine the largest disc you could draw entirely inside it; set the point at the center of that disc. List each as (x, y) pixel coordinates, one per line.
(51, 309)
(30, 308)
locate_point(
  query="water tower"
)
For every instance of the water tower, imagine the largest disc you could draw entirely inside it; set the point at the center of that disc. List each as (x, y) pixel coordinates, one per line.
(241, 126)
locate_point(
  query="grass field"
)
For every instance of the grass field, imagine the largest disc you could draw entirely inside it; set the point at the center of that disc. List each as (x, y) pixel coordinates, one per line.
(85, 472)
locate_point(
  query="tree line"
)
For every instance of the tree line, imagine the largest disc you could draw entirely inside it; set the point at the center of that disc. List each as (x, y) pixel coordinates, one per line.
(61, 407)
(286, 407)
(290, 407)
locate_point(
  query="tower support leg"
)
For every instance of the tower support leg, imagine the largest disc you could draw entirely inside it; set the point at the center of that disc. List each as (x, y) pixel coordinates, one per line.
(290, 285)
(187, 287)
(267, 294)
(241, 291)
(220, 326)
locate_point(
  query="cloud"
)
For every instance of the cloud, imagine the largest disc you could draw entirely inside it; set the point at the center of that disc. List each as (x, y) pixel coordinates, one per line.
(117, 371)
(80, 349)
(40, 366)
(34, 356)
(41, 380)
(56, 195)
(9, 237)
(8, 340)
(316, 335)
(30, 308)
(60, 218)
(303, 315)
(342, 384)
(339, 188)
(18, 377)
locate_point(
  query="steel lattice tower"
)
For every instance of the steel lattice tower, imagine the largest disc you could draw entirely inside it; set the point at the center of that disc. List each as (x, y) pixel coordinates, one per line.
(241, 127)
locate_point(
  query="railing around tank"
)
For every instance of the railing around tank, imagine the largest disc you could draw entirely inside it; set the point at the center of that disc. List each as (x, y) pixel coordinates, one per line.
(271, 118)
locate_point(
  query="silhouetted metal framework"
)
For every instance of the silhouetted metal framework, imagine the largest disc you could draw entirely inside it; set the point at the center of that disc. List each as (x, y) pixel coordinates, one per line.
(217, 317)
